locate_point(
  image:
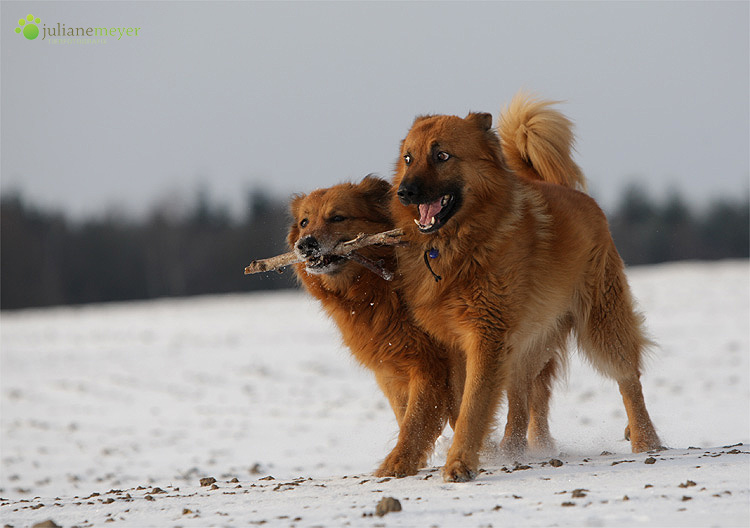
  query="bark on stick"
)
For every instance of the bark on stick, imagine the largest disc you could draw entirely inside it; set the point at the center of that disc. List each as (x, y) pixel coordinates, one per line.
(343, 249)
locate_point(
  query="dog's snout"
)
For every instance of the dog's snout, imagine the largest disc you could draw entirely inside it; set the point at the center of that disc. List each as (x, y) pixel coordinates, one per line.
(308, 246)
(407, 192)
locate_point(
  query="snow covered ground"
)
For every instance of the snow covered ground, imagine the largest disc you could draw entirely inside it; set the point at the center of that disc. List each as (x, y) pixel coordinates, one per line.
(114, 413)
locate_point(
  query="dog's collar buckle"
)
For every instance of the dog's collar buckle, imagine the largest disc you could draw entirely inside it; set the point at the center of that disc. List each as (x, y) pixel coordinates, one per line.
(432, 253)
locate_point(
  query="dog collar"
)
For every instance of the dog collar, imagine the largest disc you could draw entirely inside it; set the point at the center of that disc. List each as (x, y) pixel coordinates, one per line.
(432, 253)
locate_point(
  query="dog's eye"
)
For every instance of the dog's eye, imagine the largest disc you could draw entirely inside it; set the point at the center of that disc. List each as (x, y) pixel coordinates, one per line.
(443, 156)
(407, 159)
(337, 218)
(304, 222)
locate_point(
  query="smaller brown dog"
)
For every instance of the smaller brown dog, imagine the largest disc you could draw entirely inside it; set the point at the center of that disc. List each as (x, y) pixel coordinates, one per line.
(412, 370)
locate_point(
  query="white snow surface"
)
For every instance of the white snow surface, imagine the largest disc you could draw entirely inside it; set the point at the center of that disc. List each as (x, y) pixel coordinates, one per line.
(113, 413)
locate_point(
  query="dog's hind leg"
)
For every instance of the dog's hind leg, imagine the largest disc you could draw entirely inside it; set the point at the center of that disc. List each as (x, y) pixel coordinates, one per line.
(539, 437)
(641, 431)
(521, 392)
(529, 389)
(528, 411)
(611, 336)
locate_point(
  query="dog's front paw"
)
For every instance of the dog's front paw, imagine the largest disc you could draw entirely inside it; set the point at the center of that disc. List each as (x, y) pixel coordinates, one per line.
(458, 471)
(397, 465)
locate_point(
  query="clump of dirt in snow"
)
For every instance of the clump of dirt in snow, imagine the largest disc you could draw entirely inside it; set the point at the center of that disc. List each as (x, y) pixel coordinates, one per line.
(47, 524)
(387, 505)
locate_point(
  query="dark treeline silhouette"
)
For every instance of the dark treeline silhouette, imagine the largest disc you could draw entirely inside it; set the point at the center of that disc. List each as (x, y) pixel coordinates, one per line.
(649, 232)
(46, 260)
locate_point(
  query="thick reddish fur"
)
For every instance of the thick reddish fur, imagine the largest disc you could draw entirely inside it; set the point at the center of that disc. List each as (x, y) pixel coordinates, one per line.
(412, 369)
(524, 263)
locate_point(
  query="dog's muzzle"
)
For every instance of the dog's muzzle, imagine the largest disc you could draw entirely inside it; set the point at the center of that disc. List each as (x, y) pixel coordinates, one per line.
(307, 247)
(408, 193)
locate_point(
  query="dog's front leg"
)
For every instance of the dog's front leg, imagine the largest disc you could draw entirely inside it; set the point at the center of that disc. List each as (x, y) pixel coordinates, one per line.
(480, 400)
(421, 423)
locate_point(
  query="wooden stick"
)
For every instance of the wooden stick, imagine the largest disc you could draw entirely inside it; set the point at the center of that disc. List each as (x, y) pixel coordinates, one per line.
(375, 267)
(273, 263)
(343, 249)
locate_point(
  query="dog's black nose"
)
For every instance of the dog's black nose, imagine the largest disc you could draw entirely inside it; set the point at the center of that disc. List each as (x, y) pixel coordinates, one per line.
(407, 192)
(308, 246)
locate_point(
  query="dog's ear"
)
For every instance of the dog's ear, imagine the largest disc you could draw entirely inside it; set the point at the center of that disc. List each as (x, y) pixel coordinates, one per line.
(481, 119)
(376, 192)
(374, 188)
(294, 204)
(421, 118)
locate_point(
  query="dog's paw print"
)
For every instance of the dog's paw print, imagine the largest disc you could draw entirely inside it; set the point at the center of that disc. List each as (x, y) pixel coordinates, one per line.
(29, 27)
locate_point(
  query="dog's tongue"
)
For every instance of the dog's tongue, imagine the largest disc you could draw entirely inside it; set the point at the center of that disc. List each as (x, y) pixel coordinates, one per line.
(427, 211)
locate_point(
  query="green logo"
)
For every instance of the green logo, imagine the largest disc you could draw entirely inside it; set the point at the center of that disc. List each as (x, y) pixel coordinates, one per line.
(29, 27)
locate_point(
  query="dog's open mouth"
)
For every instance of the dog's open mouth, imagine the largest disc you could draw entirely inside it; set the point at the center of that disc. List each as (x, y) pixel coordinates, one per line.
(324, 264)
(433, 215)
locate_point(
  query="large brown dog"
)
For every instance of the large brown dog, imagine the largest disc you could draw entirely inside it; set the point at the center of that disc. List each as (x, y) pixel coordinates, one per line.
(411, 369)
(518, 260)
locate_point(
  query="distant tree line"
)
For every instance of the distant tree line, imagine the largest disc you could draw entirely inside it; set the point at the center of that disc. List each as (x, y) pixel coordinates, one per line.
(45, 259)
(649, 232)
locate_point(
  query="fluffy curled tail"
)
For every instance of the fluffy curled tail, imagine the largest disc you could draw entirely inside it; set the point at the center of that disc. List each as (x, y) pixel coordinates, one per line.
(537, 142)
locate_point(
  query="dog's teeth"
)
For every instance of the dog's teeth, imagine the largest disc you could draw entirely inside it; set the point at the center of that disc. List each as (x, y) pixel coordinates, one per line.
(432, 222)
(445, 200)
(417, 222)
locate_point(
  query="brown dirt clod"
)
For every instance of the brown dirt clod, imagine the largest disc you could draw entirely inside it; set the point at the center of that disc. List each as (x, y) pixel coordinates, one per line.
(387, 505)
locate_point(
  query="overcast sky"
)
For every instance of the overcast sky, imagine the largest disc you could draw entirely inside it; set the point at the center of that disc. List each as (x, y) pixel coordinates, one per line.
(295, 96)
